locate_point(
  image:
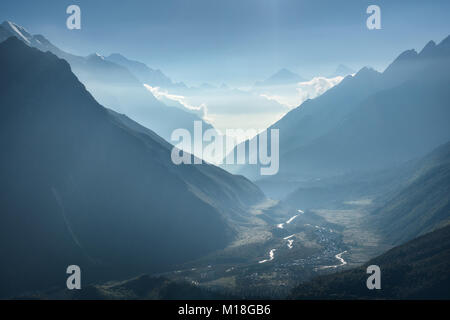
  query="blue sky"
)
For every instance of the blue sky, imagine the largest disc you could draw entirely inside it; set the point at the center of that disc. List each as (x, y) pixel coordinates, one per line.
(238, 41)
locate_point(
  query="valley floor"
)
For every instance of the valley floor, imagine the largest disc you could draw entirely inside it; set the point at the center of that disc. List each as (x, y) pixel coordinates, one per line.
(276, 250)
(363, 241)
(283, 247)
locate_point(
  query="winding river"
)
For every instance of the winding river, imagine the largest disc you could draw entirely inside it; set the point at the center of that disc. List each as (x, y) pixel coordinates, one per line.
(290, 243)
(341, 260)
(271, 256)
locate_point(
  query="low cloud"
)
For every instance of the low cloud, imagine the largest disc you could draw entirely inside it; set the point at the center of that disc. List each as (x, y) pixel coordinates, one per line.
(178, 101)
(294, 95)
(316, 87)
(256, 107)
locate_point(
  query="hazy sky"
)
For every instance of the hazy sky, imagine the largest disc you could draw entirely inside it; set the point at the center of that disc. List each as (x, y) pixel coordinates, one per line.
(237, 41)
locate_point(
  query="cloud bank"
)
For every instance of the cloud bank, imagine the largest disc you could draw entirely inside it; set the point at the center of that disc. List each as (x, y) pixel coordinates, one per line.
(175, 100)
(294, 95)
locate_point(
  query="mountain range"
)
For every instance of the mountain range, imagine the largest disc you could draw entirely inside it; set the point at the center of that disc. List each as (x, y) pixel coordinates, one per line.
(81, 184)
(281, 77)
(86, 178)
(342, 71)
(369, 121)
(114, 85)
(421, 204)
(145, 74)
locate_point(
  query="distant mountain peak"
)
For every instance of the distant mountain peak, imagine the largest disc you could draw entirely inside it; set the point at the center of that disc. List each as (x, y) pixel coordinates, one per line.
(342, 70)
(116, 55)
(284, 73)
(11, 29)
(96, 56)
(429, 47)
(430, 44)
(17, 30)
(406, 55)
(12, 42)
(11, 25)
(153, 77)
(282, 76)
(42, 39)
(121, 59)
(410, 62)
(445, 42)
(366, 71)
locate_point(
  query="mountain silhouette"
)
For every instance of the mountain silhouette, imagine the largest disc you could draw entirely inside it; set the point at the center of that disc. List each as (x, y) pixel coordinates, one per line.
(113, 85)
(81, 184)
(281, 77)
(145, 74)
(342, 71)
(370, 121)
(422, 204)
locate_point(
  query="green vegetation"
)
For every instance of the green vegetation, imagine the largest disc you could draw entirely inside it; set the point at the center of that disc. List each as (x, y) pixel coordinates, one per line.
(415, 270)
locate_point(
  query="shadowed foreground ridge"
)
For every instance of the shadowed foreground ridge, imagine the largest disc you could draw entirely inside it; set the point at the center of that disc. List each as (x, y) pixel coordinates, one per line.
(83, 185)
(143, 287)
(415, 270)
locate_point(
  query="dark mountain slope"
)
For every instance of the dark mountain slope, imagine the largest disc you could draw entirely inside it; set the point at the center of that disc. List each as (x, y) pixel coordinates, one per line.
(82, 185)
(281, 77)
(370, 121)
(422, 204)
(316, 117)
(145, 74)
(342, 70)
(139, 288)
(390, 127)
(408, 200)
(113, 85)
(404, 119)
(418, 269)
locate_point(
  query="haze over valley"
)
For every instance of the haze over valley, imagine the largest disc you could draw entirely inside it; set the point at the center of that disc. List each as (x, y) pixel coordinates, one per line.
(87, 173)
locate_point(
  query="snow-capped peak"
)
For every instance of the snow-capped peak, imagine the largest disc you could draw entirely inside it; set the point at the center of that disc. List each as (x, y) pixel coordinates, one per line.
(18, 31)
(97, 56)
